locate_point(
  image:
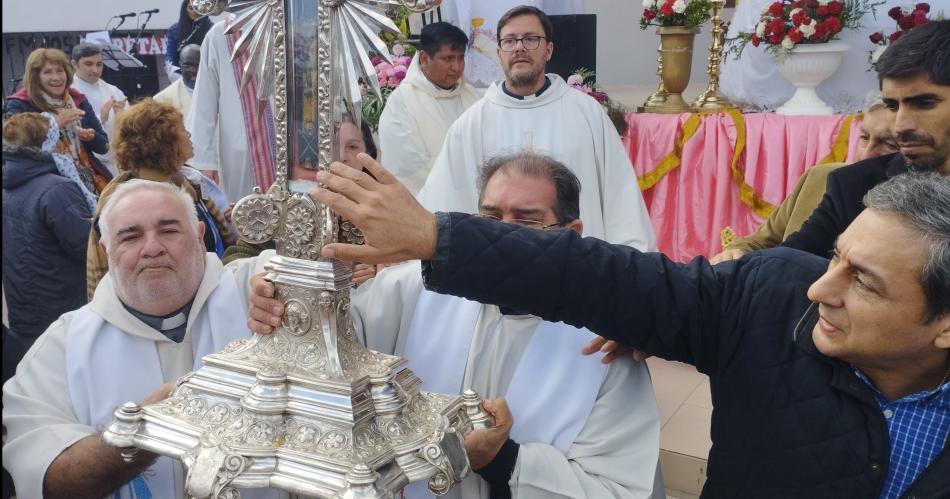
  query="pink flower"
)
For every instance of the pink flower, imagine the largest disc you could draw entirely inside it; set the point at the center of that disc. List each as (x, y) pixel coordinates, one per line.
(575, 80)
(394, 82)
(383, 81)
(400, 68)
(399, 73)
(403, 60)
(398, 50)
(377, 60)
(386, 72)
(600, 96)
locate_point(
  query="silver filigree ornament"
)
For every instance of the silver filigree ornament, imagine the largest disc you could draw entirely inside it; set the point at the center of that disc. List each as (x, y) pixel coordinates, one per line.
(307, 409)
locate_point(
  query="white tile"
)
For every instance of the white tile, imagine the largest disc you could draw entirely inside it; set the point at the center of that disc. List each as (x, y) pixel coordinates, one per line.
(687, 432)
(673, 381)
(701, 395)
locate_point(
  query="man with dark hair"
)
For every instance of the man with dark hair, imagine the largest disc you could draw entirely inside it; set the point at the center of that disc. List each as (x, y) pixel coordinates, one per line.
(533, 111)
(107, 100)
(915, 85)
(430, 98)
(590, 430)
(828, 379)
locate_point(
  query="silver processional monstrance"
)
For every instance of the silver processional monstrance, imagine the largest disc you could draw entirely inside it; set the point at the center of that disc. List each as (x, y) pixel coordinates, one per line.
(307, 409)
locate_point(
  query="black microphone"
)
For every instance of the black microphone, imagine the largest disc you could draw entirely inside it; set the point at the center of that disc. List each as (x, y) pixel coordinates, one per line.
(152, 11)
(123, 16)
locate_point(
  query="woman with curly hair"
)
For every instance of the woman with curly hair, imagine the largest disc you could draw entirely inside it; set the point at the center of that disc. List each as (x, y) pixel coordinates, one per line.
(47, 82)
(150, 142)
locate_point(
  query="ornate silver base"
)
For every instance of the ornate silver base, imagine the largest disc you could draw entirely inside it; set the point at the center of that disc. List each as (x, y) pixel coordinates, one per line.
(307, 409)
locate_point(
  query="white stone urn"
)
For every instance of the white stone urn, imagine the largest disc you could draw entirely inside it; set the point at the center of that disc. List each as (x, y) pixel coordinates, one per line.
(806, 66)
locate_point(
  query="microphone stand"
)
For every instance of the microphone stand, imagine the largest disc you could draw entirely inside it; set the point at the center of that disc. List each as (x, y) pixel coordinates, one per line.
(138, 36)
(134, 49)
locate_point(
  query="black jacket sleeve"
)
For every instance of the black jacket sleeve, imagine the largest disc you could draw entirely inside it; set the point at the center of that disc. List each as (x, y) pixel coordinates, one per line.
(99, 144)
(14, 106)
(690, 313)
(69, 219)
(819, 233)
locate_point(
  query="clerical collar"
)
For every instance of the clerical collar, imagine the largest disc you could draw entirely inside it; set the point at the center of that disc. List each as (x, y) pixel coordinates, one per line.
(547, 84)
(172, 325)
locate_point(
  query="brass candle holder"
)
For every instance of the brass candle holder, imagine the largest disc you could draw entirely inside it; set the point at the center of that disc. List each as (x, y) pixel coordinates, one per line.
(711, 100)
(659, 97)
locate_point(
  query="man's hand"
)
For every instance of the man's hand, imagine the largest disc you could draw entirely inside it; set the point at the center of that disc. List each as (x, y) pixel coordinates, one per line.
(483, 445)
(106, 109)
(161, 394)
(66, 117)
(612, 350)
(363, 272)
(396, 226)
(726, 255)
(212, 174)
(265, 311)
(85, 134)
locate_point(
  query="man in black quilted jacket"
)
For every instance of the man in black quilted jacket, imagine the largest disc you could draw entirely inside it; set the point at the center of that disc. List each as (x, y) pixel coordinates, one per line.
(915, 85)
(828, 380)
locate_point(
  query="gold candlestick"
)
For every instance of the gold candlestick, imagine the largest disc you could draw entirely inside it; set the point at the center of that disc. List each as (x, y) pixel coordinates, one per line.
(711, 100)
(659, 97)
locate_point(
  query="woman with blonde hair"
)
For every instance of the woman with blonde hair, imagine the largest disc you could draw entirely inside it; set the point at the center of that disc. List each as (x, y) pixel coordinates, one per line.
(149, 141)
(46, 88)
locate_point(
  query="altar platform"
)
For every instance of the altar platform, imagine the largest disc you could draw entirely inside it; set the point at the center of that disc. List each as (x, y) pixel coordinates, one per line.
(703, 173)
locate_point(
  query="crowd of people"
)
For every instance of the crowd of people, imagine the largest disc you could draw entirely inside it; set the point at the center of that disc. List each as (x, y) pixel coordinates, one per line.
(506, 242)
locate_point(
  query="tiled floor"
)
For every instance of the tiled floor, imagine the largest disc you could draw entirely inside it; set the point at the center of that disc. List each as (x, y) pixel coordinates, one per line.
(682, 395)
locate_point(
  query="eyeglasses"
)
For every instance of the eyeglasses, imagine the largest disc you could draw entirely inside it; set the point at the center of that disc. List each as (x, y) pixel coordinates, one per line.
(530, 42)
(530, 224)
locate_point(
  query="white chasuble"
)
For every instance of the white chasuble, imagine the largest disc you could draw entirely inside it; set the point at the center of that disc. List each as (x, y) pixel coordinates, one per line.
(562, 123)
(107, 367)
(553, 387)
(414, 121)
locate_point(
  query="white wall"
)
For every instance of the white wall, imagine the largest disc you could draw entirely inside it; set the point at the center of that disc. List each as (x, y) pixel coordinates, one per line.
(24, 16)
(626, 55)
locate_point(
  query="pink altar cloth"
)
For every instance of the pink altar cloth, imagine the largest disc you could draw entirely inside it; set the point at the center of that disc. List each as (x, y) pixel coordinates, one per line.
(694, 202)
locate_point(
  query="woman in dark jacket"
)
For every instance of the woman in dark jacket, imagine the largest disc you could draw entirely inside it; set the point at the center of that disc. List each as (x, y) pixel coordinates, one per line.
(46, 88)
(190, 28)
(47, 212)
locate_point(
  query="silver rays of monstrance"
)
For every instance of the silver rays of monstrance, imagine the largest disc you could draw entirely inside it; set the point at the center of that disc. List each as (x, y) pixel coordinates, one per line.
(308, 409)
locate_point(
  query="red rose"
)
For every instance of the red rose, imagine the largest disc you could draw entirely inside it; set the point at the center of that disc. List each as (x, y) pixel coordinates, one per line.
(667, 9)
(920, 17)
(923, 6)
(776, 38)
(906, 22)
(797, 4)
(877, 38)
(777, 9)
(835, 8)
(821, 11)
(795, 35)
(895, 13)
(811, 3)
(756, 40)
(648, 14)
(599, 96)
(833, 24)
(820, 32)
(895, 35)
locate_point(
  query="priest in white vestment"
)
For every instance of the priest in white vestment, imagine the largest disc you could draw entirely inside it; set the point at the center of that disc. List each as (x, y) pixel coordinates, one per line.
(430, 98)
(163, 305)
(107, 100)
(178, 93)
(581, 429)
(216, 122)
(536, 112)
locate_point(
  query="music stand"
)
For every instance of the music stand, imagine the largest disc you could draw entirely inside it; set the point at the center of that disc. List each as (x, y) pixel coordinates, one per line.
(112, 57)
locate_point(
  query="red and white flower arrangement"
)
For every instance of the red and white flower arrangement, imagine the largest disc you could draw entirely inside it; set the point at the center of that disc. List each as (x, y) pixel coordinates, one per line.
(686, 13)
(787, 23)
(907, 18)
